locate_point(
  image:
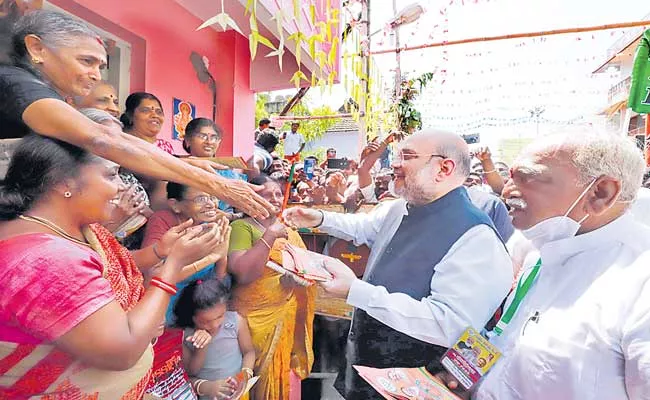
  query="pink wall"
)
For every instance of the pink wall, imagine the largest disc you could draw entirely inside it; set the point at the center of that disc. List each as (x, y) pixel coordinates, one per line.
(265, 73)
(170, 36)
(243, 99)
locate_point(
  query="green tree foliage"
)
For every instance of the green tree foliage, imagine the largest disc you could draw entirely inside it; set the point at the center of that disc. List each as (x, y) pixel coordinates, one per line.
(260, 112)
(311, 129)
(315, 128)
(408, 117)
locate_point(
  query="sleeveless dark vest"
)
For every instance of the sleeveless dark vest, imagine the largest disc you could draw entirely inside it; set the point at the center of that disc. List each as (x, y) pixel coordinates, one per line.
(423, 238)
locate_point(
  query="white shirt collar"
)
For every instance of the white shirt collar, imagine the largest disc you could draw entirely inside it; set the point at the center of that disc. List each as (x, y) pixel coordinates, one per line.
(556, 252)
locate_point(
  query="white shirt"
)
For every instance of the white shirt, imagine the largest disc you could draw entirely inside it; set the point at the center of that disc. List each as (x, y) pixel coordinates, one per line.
(591, 340)
(641, 206)
(523, 252)
(292, 143)
(469, 284)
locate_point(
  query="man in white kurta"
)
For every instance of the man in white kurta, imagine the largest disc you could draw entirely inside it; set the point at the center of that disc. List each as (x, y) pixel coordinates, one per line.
(437, 264)
(583, 329)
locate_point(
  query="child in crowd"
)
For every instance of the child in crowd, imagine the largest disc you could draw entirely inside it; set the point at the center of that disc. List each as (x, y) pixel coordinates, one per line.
(217, 343)
(169, 380)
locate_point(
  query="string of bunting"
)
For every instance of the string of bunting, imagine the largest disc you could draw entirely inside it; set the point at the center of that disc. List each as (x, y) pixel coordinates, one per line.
(489, 122)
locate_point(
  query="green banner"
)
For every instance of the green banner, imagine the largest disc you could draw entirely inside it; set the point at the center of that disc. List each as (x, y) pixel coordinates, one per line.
(640, 85)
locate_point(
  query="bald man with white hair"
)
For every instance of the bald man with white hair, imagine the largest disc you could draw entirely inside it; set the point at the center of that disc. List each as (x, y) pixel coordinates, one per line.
(437, 264)
(578, 324)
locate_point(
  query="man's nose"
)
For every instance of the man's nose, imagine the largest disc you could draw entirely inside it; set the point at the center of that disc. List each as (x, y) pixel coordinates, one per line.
(510, 190)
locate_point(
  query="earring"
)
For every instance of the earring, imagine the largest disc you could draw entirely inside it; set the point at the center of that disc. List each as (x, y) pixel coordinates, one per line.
(36, 61)
(67, 195)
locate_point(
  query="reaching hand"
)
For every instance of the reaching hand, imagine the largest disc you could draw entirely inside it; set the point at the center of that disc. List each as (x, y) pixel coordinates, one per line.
(343, 278)
(394, 136)
(318, 194)
(194, 244)
(202, 163)
(130, 203)
(171, 236)
(277, 231)
(200, 338)
(221, 250)
(222, 389)
(372, 149)
(298, 217)
(483, 154)
(242, 195)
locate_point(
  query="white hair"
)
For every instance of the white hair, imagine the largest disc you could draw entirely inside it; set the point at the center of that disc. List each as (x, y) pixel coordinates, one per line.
(55, 29)
(597, 154)
(100, 116)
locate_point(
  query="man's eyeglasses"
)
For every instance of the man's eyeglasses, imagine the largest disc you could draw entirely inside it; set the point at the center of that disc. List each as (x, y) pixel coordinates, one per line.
(149, 110)
(401, 157)
(204, 199)
(207, 138)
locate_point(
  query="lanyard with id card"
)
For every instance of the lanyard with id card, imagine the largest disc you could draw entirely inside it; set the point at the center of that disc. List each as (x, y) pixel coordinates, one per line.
(470, 358)
(473, 355)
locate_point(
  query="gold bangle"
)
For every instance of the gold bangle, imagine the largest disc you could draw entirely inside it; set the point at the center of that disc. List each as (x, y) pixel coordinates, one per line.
(490, 172)
(197, 385)
(249, 372)
(266, 243)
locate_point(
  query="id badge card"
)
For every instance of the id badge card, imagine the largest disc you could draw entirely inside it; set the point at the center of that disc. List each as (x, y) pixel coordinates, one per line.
(470, 358)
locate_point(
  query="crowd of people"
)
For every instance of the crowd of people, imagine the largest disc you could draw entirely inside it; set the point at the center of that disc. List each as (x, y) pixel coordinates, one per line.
(128, 272)
(124, 278)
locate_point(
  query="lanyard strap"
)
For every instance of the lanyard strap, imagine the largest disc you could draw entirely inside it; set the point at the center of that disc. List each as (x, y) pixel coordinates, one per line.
(523, 286)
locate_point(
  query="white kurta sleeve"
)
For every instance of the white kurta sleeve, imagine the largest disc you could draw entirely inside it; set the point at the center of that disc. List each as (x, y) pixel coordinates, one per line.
(636, 346)
(359, 228)
(468, 286)
(368, 193)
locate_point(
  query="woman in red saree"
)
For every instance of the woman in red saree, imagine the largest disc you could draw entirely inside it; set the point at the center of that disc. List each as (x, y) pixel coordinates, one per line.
(72, 325)
(168, 379)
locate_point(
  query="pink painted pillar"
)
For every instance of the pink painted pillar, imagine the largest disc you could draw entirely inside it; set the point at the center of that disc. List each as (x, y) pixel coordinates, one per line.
(243, 122)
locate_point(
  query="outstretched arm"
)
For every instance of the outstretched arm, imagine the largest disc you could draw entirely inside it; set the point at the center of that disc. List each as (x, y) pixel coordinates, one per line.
(56, 119)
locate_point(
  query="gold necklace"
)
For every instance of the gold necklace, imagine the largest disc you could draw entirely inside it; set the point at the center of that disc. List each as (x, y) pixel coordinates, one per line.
(52, 226)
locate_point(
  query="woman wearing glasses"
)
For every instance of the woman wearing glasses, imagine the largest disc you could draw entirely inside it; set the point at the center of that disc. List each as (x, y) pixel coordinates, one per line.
(185, 203)
(202, 139)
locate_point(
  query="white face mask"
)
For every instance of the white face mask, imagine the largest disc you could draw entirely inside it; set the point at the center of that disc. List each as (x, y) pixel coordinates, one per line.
(556, 228)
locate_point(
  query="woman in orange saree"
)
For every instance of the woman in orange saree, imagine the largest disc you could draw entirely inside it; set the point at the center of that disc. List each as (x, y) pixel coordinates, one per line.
(74, 324)
(280, 313)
